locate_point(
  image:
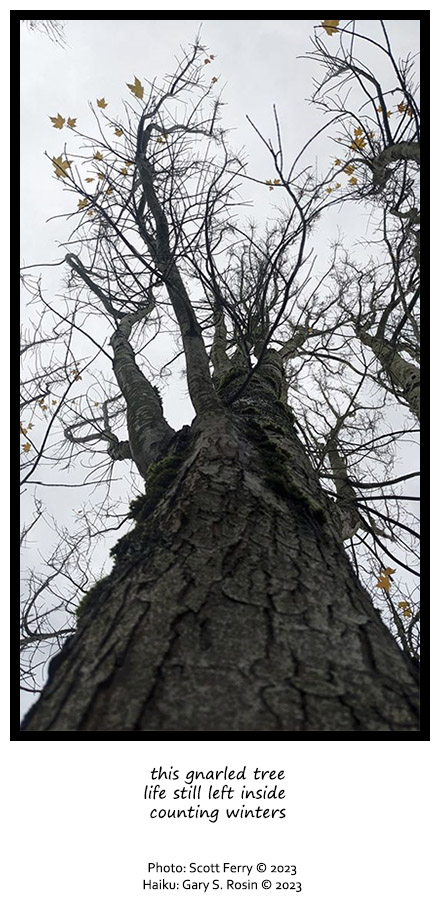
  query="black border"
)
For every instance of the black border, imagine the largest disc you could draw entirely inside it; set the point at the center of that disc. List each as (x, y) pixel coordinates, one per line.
(424, 733)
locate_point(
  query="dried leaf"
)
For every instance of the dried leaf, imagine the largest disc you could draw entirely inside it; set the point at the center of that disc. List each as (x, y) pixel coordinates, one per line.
(71, 122)
(102, 103)
(384, 583)
(358, 143)
(136, 88)
(60, 165)
(118, 132)
(330, 25)
(57, 121)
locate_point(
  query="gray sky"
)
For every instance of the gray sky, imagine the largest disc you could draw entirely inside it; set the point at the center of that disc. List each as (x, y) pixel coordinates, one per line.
(257, 64)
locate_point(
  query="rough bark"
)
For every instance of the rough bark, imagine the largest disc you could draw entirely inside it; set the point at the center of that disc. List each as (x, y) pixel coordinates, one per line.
(402, 150)
(148, 431)
(404, 377)
(232, 605)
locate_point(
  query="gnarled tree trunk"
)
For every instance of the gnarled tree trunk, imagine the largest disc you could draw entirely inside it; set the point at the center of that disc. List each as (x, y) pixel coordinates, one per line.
(232, 605)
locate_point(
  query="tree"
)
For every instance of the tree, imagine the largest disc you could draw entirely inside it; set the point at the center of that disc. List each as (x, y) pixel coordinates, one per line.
(232, 604)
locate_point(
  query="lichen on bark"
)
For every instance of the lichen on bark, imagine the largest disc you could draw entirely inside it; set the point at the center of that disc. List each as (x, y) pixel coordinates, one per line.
(234, 606)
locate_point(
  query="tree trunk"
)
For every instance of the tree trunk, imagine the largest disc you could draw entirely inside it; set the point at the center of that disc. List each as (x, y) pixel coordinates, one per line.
(232, 605)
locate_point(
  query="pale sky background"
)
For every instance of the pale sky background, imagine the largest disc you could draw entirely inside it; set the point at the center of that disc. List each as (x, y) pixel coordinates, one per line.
(257, 64)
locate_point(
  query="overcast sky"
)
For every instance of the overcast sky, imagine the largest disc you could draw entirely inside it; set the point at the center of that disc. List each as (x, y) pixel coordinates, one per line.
(257, 63)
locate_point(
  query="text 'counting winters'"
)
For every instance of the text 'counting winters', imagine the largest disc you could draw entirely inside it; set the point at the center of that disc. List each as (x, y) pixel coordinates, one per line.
(205, 794)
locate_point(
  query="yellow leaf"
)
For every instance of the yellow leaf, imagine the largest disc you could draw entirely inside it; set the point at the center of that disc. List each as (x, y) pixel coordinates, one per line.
(101, 176)
(26, 447)
(97, 155)
(160, 140)
(128, 163)
(337, 162)
(44, 407)
(338, 185)
(82, 203)
(136, 88)
(23, 430)
(379, 109)
(388, 570)
(349, 169)
(91, 212)
(124, 171)
(57, 121)
(358, 143)
(54, 402)
(329, 189)
(60, 165)
(89, 179)
(102, 103)
(71, 122)
(118, 132)
(30, 426)
(384, 583)
(330, 25)
(352, 181)
(276, 182)
(358, 131)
